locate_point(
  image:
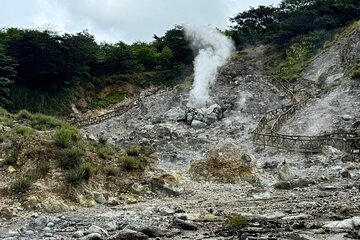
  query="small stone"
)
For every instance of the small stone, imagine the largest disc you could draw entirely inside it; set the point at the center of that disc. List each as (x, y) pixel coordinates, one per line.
(52, 205)
(137, 188)
(13, 233)
(11, 169)
(128, 234)
(6, 213)
(99, 198)
(165, 211)
(28, 232)
(41, 221)
(96, 229)
(198, 124)
(111, 226)
(296, 217)
(345, 174)
(344, 224)
(50, 224)
(185, 225)
(356, 221)
(346, 117)
(92, 236)
(2, 162)
(47, 229)
(48, 234)
(78, 234)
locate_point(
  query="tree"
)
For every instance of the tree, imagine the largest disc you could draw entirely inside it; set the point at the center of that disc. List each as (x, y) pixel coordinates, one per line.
(7, 76)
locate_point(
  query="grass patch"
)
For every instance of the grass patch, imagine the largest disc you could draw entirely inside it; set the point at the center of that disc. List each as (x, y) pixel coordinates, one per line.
(81, 173)
(112, 170)
(356, 72)
(237, 221)
(131, 163)
(23, 131)
(67, 136)
(133, 150)
(21, 185)
(10, 159)
(110, 99)
(43, 122)
(71, 157)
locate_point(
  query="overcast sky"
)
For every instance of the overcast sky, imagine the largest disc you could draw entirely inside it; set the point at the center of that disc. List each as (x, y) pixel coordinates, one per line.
(125, 20)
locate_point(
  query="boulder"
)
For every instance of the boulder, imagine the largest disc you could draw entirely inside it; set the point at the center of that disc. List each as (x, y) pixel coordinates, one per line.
(224, 164)
(205, 115)
(128, 234)
(52, 205)
(283, 171)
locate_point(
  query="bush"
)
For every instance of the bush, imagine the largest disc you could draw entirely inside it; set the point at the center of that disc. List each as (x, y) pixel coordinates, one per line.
(131, 163)
(102, 139)
(24, 114)
(356, 72)
(105, 152)
(112, 170)
(43, 168)
(133, 150)
(66, 136)
(10, 159)
(21, 185)
(43, 122)
(237, 221)
(71, 157)
(80, 173)
(23, 131)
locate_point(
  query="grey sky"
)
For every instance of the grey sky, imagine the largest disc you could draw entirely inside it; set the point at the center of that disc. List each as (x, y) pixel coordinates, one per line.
(126, 20)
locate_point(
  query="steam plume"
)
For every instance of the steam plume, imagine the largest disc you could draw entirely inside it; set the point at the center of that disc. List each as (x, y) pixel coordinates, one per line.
(213, 49)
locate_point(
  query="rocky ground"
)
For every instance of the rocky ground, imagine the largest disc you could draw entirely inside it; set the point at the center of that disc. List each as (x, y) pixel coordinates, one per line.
(193, 193)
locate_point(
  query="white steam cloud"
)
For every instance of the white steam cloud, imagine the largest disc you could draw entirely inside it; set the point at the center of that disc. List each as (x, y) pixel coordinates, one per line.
(213, 49)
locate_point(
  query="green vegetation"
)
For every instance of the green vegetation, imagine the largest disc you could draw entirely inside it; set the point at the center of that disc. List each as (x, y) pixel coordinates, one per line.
(237, 221)
(71, 157)
(131, 163)
(23, 131)
(133, 150)
(112, 170)
(67, 136)
(80, 173)
(112, 98)
(75, 64)
(356, 71)
(21, 185)
(10, 159)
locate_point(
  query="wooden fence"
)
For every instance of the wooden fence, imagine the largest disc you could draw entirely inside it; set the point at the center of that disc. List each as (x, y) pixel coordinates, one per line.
(266, 132)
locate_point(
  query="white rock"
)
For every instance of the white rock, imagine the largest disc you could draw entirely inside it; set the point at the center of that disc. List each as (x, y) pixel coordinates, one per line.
(99, 198)
(96, 229)
(198, 124)
(356, 221)
(296, 217)
(344, 224)
(52, 205)
(11, 169)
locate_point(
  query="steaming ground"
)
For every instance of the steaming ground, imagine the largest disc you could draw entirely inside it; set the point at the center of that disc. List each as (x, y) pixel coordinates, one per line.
(212, 50)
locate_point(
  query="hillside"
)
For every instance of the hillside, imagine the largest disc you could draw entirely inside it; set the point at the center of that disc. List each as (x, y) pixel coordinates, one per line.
(205, 174)
(248, 133)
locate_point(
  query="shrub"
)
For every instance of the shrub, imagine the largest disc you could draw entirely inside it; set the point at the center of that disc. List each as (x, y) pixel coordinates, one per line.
(133, 150)
(21, 185)
(32, 175)
(43, 122)
(66, 136)
(102, 139)
(131, 163)
(112, 170)
(105, 152)
(43, 168)
(356, 71)
(237, 221)
(23, 131)
(10, 159)
(71, 157)
(80, 173)
(24, 114)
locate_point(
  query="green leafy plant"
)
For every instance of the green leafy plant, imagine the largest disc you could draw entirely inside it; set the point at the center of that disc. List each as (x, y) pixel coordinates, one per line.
(10, 159)
(131, 163)
(21, 185)
(237, 221)
(81, 173)
(71, 157)
(66, 136)
(23, 131)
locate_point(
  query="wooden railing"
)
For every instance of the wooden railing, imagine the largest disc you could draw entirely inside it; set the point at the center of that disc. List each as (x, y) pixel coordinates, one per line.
(267, 131)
